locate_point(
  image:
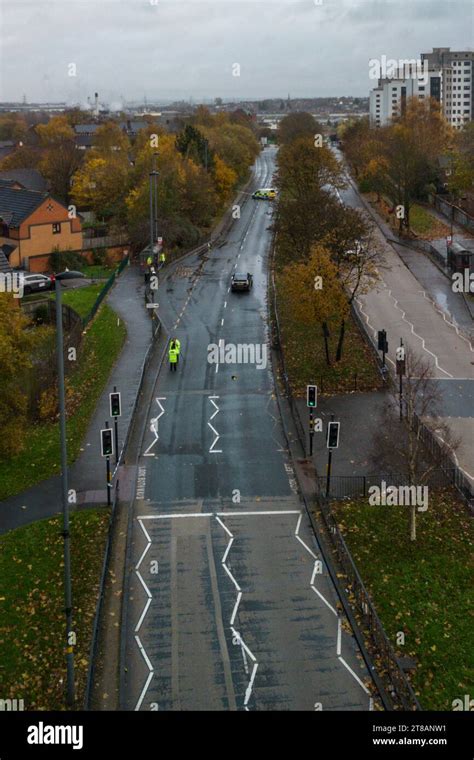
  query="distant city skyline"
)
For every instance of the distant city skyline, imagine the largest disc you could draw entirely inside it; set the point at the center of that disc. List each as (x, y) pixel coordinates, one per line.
(202, 49)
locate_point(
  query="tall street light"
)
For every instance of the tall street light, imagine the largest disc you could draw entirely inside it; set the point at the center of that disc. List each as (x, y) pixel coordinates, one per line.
(64, 482)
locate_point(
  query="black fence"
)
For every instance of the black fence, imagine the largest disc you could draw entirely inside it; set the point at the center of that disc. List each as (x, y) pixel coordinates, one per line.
(357, 486)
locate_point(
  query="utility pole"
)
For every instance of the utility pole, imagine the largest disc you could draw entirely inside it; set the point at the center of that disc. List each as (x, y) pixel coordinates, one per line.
(400, 364)
(70, 638)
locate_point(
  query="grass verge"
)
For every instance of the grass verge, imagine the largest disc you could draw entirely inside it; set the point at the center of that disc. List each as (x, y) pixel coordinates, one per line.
(40, 457)
(305, 356)
(32, 621)
(81, 299)
(420, 588)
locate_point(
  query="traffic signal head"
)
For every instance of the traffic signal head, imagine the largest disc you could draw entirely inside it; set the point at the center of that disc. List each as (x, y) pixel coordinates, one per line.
(115, 410)
(333, 435)
(311, 395)
(107, 442)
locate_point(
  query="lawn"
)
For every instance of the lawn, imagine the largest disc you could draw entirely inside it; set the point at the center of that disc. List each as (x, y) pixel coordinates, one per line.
(425, 225)
(423, 588)
(32, 623)
(306, 359)
(40, 458)
(81, 299)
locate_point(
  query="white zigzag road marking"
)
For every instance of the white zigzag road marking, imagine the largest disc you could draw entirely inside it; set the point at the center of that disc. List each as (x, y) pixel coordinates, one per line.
(338, 640)
(154, 426)
(235, 634)
(212, 450)
(142, 617)
(452, 324)
(412, 328)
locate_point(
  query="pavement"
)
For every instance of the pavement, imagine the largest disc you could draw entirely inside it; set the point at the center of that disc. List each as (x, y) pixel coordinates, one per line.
(228, 604)
(87, 474)
(400, 304)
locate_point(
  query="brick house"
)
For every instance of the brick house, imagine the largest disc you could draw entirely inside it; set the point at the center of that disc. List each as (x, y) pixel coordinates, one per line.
(35, 223)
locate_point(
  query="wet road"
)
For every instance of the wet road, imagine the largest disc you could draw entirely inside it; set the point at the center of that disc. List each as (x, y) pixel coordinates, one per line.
(229, 606)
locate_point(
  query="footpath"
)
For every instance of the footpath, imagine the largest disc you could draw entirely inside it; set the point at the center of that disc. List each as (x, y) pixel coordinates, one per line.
(87, 474)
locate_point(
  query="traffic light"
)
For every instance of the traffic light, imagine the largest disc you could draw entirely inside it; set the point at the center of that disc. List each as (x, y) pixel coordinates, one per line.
(382, 343)
(311, 395)
(115, 405)
(333, 435)
(107, 442)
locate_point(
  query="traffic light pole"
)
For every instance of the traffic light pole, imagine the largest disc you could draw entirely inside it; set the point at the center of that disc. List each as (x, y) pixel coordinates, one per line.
(65, 504)
(328, 472)
(107, 465)
(116, 434)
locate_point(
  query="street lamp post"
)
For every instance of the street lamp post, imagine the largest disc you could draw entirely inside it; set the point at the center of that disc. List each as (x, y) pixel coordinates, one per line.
(64, 484)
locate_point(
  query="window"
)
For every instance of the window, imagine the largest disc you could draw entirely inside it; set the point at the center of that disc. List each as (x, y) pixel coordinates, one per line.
(56, 228)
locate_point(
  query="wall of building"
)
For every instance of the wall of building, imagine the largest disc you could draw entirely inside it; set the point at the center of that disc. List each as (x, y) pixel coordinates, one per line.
(36, 232)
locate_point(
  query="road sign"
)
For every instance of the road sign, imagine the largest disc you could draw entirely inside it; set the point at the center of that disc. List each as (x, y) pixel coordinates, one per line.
(449, 239)
(115, 404)
(333, 435)
(152, 305)
(159, 241)
(106, 442)
(311, 396)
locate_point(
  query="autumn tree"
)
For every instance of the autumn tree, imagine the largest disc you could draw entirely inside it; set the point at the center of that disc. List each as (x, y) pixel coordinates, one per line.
(307, 174)
(461, 178)
(14, 361)
(313, 289)
(192, 144)
(296, 125)
(60, 157)
(356, 255)
(101, 186)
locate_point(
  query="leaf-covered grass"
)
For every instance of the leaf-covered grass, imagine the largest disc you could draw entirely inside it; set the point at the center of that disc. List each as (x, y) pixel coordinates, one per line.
(40, 458)
(305, 355)
(421, 588)
(32, 621)
(425, 225)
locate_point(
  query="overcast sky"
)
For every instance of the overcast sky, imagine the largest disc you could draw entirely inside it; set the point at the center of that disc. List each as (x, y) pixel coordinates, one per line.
(178, 49)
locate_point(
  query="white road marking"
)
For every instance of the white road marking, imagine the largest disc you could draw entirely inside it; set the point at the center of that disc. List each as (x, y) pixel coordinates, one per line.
(231, 577)
(147, 590)
(144, 654)
(355, 675)
(250, 686)
(324, 600)
(142, 616)
(339, 627)
(225, 527)
(154, 426)
(222, 322)
(144, 691)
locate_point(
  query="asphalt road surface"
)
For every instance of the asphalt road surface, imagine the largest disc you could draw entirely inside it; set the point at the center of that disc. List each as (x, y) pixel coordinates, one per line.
(229, 605)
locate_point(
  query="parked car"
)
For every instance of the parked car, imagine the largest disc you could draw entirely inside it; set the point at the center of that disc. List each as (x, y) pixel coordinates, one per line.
(241, 282)
(34, 283)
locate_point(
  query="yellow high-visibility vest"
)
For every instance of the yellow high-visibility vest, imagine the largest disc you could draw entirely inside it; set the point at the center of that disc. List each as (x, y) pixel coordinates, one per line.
(173, 355)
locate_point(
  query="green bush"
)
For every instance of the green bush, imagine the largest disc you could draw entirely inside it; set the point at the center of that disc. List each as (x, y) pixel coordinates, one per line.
(60, 260)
